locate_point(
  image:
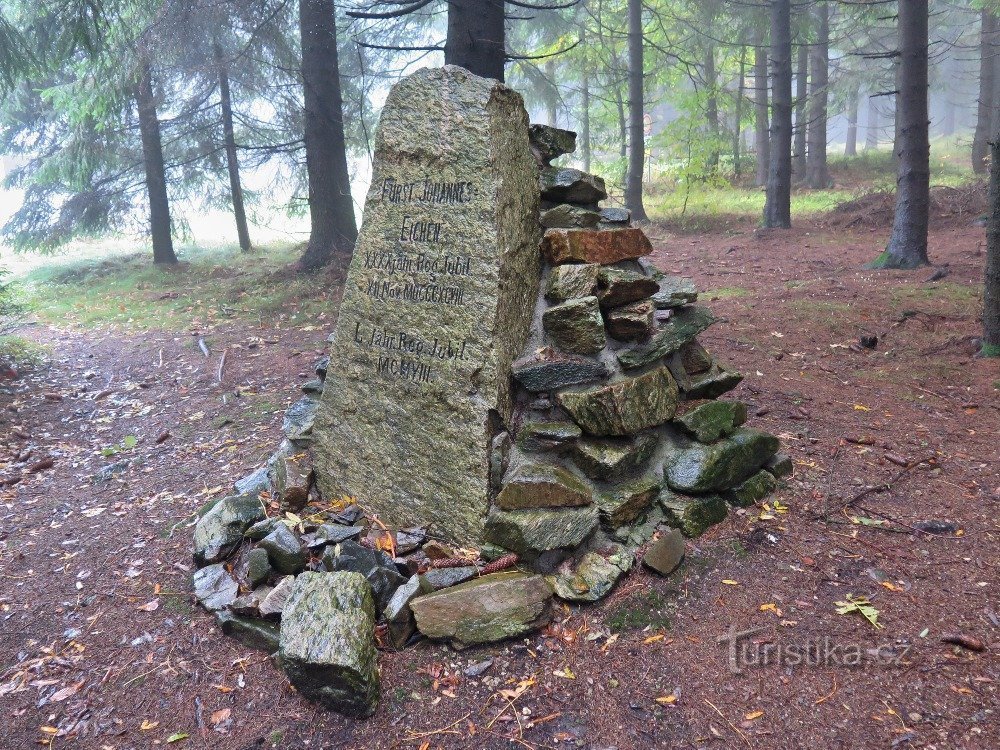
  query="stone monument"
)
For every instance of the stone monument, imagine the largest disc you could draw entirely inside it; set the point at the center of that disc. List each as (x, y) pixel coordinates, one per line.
(437, 305)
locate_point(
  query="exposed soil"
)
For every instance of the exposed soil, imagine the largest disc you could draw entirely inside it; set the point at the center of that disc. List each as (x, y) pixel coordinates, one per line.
(101, 646)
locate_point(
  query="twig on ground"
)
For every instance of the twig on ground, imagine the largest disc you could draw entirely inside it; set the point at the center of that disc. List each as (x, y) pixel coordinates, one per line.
(731, 725)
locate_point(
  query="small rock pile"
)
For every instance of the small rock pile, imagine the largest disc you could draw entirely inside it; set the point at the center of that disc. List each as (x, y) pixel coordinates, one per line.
(616, 436)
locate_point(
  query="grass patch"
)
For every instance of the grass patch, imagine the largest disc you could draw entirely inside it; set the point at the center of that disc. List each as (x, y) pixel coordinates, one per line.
(943, 298)
(726, 292)
(210, 285)
(22, 353)
(641, 610)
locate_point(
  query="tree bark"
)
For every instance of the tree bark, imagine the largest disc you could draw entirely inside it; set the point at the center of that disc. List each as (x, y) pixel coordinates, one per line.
(152, 161)
(232, 159)
(907, 246)
(762, 138)
(331, 208)
(872, 126)
(817, 174)
(476, 37)
(801, 129)
(778, 204)
(851, 144)
(636, 126)
(987, 74)
(991, 290)
(712, 107)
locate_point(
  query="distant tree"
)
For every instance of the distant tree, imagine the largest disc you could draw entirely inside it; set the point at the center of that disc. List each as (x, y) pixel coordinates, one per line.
(800, 109)
(907, 246)
(778, 204)
(152, 160)
(988, 51)
(636, 109)
(991, 294)
(762, 137)
(851, 137)
(817, 174)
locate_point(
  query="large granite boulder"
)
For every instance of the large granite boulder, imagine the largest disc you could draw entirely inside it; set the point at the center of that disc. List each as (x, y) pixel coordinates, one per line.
(220, 530)
(488, 609)
(327, 642)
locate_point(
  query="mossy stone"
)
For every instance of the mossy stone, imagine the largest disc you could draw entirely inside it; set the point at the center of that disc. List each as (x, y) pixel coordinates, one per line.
(530, 532)
(674, 291)
(576, 326)
(612, 458)
(619, 286)
(752, 490)
(628, 501)
(592, 577)
(692, 515)
(683, 326)
(572, 280)
(710, 468)
(710, 421)
(542, 485)
(625, 407)
(539, 437)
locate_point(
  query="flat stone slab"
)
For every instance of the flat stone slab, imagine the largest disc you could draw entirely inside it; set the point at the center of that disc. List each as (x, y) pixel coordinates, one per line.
(327, 642)
(674, 291)
(566, 185)
(542, 485)
(437, 305)
(550, 371)
(683, 326)
(566, 216)
(542, 437)
(529, 532)
(214, 588)
(488, 609)
(594, 246)
(665, 555)
(624, 407)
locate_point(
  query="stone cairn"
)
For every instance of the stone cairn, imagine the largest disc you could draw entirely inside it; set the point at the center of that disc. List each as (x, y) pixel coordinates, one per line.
(615, 437)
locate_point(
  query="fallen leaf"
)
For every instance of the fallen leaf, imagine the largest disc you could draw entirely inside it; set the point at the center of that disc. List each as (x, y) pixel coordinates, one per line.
(66, 692)
(666, 699)
(753, 715)
(147, 725)
(731, 583)
(149, 606)
(653, 639)
(177, 737)
(221, 715)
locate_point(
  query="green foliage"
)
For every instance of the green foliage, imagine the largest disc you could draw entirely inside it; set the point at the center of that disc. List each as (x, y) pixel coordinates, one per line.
(10, 307)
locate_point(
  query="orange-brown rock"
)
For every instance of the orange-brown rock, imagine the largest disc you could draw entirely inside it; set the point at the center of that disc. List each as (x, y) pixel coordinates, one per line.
(594, 246)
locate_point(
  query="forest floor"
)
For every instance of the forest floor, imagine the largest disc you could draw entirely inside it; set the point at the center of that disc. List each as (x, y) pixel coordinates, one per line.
(129, 432)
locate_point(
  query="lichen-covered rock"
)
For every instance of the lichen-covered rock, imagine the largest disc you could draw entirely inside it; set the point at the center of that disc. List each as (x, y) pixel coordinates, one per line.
(273, 604)
(594, 246)
(298, 421)
(220, 530)
(327, 642)
(612, 458)
(780, 465)
(615, 215)
(258, 566)
(672, 334)
(692, 515)
(719, 466)
(572, 280)
(442, 578)
(592, 577)
(488, 609)
(397, 614)
(712, 420)
(628, 501)
(548, 371)
(576, 326)
(542, 485)
(566, 216)
(620, 286)
(695, 358)
(548, 143)
(632, 322)
(711, 384)
(333, 533)
(623, 407)
(249, 631)
(437, 304)
(262, 528)
(541, 437)
(750, 491)
(674, 291)
(214, 588)
(284, 550)
(254, 483)
(666, 553)
(376, 567)
(566, 185)
(529, 532)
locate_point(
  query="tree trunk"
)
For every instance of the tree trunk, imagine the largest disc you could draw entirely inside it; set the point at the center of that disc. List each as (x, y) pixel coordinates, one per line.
(817, 175)
(907, 246)
(712, 107)
(476, 37)
(331, 208)
(762, 142)
(232, 161)
(991, 291)
(738, 114)
(778, 205)
(851, 145)
(636, 126)
(152, 162)
(585, 125)
(801, 129)
(872, 126)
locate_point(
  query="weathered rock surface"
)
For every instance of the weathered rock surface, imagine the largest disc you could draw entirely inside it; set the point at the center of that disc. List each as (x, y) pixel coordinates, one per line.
(752, 490)
(254, 483)
(542, 485)
(719, 466)
(684, 325)
(566, 185)
(695, 358)
(488, 609)
(692, 515)
(528, 532)
(398, 615)
(298, 421)
(627, 501)
(220, 530)
(712, 420)
(594, 246)
(549, 371)
(615, 215)
(284, 550)
(258, 566)
(593, 576)
(619, 286)
(333, 533)
(632, 322)
(566, 216)
(572, 280)
(780, 465)
(712, 384)
(327, 643)
(611, 458)
(214, 588)
(262, 528)
(249, 631)
(554, 437)
(274, 603)
(548, 143)
(674, 291)
(437, 305)
(576, 326)
(666, 553)
(376, 567)
(624, 407)
(442, 578)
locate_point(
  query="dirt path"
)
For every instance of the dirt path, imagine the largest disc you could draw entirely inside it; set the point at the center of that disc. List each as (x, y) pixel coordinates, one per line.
(100, 646)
